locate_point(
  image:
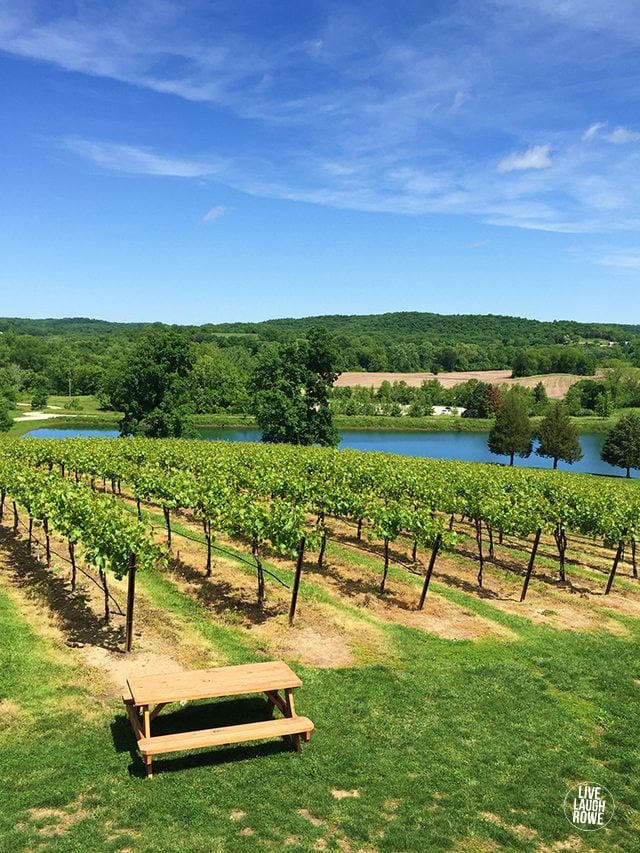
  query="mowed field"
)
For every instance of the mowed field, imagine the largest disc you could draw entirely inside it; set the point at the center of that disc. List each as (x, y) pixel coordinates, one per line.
(556, 384)
(457, 727)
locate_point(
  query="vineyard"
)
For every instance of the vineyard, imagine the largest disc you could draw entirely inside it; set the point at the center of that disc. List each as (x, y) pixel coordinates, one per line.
(280, 499)
(307, 544)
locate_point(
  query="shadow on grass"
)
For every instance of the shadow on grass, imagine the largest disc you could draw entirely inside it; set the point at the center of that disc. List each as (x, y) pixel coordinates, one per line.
(220, 596)
(470, 587)
(516, 569)
(193, 717)
(80, 623)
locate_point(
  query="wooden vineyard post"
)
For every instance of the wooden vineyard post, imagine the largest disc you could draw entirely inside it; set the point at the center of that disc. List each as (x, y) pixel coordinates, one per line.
(296, 582)
(386, 565)
(427, 577)
(532, 560)
(207, 533)
(614, 567)
(131, 594)
(478, 523)
(48, 541)
(72, 558)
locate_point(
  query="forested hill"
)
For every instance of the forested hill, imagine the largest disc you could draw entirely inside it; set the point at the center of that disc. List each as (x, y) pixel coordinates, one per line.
(450, 328)
(402, 327)
(49, 351)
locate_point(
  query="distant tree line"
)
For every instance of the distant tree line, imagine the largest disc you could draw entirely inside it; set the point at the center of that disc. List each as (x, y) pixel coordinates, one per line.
(77, 353)
(478, 399)
(74, 357)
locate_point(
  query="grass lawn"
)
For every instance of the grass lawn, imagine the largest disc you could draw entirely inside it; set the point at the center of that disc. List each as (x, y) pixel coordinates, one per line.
(421, 742)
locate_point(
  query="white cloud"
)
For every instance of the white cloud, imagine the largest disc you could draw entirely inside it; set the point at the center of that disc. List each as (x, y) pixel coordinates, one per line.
(536, 157)
(622, 135)
(214, 213)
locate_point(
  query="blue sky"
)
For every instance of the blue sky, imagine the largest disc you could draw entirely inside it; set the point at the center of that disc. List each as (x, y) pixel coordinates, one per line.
(211, 161)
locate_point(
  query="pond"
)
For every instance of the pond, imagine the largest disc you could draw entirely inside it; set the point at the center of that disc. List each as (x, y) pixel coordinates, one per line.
(467, 446)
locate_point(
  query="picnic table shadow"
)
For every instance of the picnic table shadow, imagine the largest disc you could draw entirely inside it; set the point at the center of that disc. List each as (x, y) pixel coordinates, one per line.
(195, 715)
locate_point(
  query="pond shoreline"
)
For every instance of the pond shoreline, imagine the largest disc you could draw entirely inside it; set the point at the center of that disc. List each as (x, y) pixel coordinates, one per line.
(436, 423)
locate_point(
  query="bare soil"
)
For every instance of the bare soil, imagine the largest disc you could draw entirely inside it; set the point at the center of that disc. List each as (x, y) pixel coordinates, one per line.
(76, 619)
(344, 627)
(556, 384)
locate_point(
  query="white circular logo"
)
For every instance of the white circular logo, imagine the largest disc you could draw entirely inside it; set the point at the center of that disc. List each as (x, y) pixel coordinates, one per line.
(588, 806)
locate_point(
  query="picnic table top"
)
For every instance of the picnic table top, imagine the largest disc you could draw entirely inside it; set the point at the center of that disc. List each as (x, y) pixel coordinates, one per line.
(210, 683)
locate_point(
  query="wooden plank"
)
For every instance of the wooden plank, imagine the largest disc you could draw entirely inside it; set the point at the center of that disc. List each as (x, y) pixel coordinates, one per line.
(156, 711)
(134, 720)
(146, 722)
(211, 683)
(276, 699)
(225, 735)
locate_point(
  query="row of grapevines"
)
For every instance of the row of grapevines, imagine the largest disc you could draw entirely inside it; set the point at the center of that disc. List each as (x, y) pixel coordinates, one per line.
(392, 495)
(107, 534)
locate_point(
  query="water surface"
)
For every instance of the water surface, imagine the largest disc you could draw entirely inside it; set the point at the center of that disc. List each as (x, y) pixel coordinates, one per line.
(466, 446)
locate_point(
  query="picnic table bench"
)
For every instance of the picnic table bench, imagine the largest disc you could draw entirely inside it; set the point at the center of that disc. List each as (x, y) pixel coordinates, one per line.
(145, 696)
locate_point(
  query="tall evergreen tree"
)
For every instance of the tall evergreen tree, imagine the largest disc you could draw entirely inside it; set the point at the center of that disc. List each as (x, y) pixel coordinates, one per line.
(511, 432)
(622, 444)
(558, 436)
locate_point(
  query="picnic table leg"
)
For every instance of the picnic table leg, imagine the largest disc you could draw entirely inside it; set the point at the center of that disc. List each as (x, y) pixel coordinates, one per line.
(146, 728)
(291, 712)
(274, 699)
(270, 704)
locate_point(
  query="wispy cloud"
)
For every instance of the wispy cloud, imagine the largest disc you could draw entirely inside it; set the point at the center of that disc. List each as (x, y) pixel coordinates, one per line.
(621, 260)
(536, 157)
(214, 213)
(592, 131)
(449, 112)
(140, 161)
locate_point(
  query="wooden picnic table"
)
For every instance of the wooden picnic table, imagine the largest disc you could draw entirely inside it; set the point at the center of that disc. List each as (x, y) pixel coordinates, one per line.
(147, 695)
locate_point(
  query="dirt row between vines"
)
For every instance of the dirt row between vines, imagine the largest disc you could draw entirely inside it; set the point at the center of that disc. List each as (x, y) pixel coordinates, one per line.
(345, 626)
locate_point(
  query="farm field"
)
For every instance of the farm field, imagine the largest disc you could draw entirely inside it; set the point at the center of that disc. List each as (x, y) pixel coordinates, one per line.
(556, 384)
(458, 727)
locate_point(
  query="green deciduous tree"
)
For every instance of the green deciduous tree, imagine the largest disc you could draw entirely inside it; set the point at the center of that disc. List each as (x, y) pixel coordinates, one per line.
(480, 399)
(291, 384)
(558, 436)
(604, 405)
(511, 432)
(150, 387)
(39, 397)
(6, 421)
(622, 444)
